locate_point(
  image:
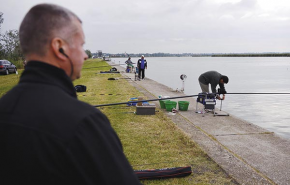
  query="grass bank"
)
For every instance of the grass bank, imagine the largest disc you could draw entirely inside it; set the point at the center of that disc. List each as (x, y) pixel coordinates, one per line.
(149, 141)
(9, 81)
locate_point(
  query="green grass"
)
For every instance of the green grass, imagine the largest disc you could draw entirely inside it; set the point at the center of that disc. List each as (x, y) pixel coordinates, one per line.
(149, 141)
(7, 82)
(18, 64)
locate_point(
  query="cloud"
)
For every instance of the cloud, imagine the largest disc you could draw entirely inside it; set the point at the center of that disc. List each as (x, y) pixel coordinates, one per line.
(177, 39)
(227, 17)
(173, 26)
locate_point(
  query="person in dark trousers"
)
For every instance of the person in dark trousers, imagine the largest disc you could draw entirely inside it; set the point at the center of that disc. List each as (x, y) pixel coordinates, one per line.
(48, 136)
(213, 78)
(142, 64)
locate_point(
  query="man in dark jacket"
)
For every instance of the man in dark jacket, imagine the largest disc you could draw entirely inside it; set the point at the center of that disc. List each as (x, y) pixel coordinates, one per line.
(47, 136)
(142, 64)
(213, 78)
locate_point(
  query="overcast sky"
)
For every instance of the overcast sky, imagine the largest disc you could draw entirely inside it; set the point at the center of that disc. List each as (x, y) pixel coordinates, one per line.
(173, 26)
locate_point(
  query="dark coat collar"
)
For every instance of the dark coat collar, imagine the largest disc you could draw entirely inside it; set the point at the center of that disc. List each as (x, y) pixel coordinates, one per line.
(40, 72)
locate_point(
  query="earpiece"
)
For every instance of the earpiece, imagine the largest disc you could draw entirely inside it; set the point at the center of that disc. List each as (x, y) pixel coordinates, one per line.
(62, 52)
(72, 67)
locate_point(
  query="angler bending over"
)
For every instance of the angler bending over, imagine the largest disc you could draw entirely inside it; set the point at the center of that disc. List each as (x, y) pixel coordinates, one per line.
(213, 78)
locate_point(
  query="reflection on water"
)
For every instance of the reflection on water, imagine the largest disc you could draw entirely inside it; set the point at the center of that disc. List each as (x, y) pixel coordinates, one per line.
(246, 74)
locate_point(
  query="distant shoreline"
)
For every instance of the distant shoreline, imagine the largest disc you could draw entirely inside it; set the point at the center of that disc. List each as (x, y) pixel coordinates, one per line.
(209, 55)
(254, 55)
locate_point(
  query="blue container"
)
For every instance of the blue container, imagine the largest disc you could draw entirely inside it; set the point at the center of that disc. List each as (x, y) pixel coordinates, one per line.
(132, 100)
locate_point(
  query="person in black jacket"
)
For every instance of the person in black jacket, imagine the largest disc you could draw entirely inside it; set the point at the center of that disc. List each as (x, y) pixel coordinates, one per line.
(47, 136)
(141, 64)
(213, 78)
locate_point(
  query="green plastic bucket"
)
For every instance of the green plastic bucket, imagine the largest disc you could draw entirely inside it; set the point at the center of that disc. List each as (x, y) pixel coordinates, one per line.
(170, 105)
(162, 105)
(183, 105)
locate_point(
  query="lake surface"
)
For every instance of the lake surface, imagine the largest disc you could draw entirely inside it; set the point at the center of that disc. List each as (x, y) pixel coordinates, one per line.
(246, 75)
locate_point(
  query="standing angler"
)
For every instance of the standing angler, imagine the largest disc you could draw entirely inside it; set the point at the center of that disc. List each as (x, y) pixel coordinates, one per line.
(142, 64)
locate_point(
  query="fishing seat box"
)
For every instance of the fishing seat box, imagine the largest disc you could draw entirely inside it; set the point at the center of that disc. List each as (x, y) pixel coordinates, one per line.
(148, 109)
(209, 104)
(208, 100)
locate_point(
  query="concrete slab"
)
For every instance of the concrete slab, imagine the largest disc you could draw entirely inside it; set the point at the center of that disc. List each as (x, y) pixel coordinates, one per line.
(248, 153)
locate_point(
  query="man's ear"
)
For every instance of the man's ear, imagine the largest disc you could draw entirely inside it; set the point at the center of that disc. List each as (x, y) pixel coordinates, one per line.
(57, 44)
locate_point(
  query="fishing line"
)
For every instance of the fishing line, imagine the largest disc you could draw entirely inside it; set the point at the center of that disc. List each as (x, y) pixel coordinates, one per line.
(177, 97)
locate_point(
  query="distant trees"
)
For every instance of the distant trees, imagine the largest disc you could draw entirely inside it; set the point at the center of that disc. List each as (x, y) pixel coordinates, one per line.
(1, 20)
(89, 53)
(253, 55)
(9, 44)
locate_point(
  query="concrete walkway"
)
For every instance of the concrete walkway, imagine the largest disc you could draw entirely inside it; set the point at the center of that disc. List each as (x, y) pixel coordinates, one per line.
(248, 153)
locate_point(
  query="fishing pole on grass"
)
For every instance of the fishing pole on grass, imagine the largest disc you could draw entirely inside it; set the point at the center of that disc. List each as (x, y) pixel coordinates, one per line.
(177, 97)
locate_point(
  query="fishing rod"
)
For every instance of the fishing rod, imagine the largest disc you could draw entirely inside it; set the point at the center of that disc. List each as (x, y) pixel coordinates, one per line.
(256, 93)
(120, 103)
(177, 97)
(106, 66)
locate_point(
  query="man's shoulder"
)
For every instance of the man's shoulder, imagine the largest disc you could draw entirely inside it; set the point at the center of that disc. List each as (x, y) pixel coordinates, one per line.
(46, 100)
(210, 73)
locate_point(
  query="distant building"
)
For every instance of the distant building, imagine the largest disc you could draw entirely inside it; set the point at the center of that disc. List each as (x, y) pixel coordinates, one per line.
(100, 53)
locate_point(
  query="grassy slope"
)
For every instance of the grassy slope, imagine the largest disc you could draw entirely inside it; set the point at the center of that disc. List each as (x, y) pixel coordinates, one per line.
(149, 141)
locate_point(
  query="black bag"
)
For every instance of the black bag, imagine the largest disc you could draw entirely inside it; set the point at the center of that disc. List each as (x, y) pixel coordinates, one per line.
(80, 88)
(163, 173)
(113, 69)
(201, 97)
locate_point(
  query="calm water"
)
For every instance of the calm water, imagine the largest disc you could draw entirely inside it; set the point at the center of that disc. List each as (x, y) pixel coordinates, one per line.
(246, 74)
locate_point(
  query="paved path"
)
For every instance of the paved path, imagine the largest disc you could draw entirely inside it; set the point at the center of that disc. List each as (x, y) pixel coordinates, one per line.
(248, 153)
